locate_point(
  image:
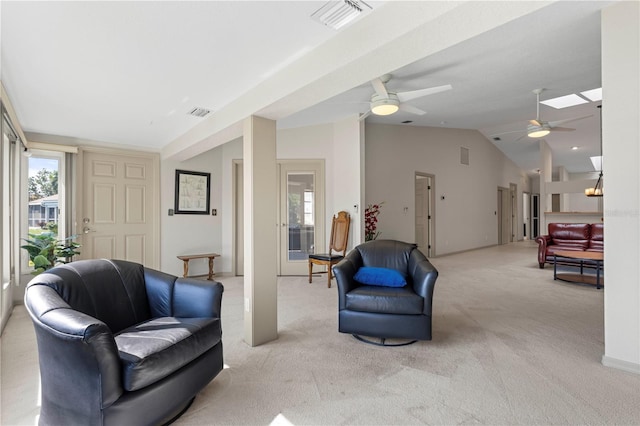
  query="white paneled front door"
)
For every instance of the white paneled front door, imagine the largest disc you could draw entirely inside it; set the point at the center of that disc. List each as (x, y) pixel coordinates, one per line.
(119, 215)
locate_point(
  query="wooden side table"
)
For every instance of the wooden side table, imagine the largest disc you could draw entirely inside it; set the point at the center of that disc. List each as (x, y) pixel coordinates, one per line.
(187, 257)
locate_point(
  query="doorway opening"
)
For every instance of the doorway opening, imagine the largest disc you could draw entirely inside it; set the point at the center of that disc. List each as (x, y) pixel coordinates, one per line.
(424, 213)
(526, 216)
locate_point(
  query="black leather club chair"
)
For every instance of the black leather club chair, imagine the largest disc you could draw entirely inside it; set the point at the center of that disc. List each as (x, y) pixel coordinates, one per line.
(121, 344)
(386, 312)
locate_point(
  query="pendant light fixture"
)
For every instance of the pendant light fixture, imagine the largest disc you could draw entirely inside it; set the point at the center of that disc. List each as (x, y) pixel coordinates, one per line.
(596, 191)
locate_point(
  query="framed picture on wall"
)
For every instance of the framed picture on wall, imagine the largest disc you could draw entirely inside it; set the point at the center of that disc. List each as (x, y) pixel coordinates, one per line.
(192, 192)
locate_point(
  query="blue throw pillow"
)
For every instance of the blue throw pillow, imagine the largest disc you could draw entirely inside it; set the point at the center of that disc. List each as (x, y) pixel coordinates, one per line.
(380, 276)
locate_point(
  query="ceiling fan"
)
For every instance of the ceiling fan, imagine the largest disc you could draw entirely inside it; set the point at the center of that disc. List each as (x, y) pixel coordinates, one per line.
(385, 102)
(538, 128)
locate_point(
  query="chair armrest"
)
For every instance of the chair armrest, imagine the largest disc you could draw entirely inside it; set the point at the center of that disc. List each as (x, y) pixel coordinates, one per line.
(194, 298)
(423, 275)
(543, 242)
(344, 271)
(72, 341)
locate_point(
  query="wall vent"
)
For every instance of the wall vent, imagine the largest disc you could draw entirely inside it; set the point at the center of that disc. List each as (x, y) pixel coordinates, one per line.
(199, 112)
(464, 156)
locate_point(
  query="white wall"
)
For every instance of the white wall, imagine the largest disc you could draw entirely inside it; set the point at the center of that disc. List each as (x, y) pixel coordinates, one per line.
(578, 202)
(466, 217)
(189, 233)
(347, 191)
(621, 151)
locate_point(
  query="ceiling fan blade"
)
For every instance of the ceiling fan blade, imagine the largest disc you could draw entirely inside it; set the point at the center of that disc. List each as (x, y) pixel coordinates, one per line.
(535, 123)
(412, 109)
(413, 94)
(365, 115)
(562, 129)
(379, 87)
(553, 124)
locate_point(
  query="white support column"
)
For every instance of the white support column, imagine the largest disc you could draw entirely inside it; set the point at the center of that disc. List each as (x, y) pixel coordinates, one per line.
(546, 175)
(260, 231)
(621, 154)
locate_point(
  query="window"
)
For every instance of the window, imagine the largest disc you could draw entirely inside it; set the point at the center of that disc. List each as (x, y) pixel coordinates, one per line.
(43, 194)
(45, 212)
(308, 207)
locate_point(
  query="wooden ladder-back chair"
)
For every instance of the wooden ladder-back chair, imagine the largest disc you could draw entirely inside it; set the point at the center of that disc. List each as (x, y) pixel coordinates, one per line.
(337, 243)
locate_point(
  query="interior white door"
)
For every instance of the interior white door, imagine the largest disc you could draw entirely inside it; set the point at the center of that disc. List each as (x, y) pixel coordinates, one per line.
(422, 213)
(301, 218)
(120, 207)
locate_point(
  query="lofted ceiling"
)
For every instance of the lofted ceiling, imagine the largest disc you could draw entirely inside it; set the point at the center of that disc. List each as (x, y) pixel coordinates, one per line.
(128, 72)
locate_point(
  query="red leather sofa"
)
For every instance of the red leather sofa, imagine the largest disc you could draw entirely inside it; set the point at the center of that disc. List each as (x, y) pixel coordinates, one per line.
(569, 237)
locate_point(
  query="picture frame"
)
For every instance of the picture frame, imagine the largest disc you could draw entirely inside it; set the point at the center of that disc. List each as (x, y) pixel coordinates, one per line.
(192, 192)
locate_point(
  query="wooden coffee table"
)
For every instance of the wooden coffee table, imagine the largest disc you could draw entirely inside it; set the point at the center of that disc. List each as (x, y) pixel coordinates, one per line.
(582, 256)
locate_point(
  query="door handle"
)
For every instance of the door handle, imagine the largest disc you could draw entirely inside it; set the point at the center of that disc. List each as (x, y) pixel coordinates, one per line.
(86, 230)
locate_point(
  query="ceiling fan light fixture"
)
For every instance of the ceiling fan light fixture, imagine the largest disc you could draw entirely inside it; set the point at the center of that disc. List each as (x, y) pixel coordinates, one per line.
(384, 106)
(538, 132)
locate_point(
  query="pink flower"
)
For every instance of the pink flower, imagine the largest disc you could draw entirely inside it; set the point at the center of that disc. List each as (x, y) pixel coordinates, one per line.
(370, 221)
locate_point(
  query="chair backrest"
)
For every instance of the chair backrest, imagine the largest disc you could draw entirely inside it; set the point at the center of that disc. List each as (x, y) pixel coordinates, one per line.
(390, 254)
(112, 291)
(340, 232)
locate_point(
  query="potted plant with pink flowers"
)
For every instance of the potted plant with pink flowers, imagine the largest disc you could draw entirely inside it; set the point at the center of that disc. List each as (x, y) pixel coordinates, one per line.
(371, 221)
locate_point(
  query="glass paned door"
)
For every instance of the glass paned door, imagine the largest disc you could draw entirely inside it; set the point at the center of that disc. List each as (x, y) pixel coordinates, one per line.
(300, 208)
(300, 213)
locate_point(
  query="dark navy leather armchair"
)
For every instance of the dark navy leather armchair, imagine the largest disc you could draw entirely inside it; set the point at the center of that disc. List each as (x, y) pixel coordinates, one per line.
(121, 344)
(386, 312)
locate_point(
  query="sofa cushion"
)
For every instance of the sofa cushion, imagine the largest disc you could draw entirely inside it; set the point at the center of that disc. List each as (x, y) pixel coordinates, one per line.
(384, 277)
(570, 234)
(596, 243)
(156, 348)
(552, 250)
(385, 300)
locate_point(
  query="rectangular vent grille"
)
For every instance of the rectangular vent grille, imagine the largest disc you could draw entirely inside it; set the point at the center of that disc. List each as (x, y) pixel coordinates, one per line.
(199, 112)
(464, 156)
(337, 13)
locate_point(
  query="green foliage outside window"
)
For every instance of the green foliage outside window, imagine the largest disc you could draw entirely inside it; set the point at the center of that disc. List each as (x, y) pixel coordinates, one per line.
(46, 251)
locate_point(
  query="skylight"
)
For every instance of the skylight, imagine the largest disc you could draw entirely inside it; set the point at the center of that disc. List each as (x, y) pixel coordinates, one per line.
(564, 101)
(593, 95)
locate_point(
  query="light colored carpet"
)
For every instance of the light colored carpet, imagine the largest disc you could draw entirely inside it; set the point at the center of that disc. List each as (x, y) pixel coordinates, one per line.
(510, 346)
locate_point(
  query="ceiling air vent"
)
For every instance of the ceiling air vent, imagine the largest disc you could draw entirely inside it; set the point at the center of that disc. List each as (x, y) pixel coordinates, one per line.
(199, 112)
(337, 13)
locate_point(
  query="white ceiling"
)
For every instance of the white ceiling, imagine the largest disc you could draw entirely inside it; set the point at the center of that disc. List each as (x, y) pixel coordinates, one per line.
(128, 72)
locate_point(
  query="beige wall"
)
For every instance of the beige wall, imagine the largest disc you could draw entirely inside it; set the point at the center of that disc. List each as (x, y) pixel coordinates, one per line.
(466, 217)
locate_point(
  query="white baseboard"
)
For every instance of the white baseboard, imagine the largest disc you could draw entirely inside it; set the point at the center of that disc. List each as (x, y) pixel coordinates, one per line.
(631, 367)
